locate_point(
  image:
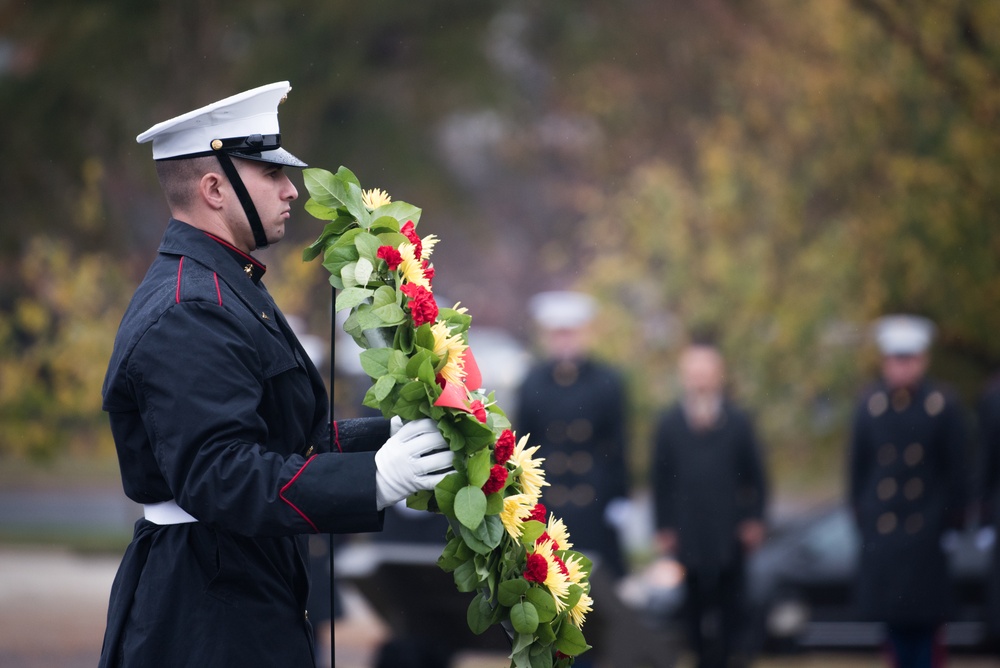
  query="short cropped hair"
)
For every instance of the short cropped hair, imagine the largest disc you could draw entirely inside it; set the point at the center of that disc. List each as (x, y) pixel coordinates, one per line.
(179, 178)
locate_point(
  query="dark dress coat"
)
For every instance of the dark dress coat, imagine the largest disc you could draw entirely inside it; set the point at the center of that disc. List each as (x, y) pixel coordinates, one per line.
(705, 483)
(906, 489)
(989, 426)
(213, 403)
(576, 412)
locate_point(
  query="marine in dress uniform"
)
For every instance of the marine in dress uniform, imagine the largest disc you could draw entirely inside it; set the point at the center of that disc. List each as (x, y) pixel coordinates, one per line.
(221, 421)
(906, 491)
(574, 407)
(710, 492)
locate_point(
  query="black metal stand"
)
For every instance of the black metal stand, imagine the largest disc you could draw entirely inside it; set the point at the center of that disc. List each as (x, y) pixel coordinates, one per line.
(333, 365)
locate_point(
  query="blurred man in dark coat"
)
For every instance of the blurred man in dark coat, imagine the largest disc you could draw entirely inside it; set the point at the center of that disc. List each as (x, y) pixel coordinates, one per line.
(710, 492)
(906, 491)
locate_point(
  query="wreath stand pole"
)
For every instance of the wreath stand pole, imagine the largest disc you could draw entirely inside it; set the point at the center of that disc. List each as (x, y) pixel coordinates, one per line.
(333, 364)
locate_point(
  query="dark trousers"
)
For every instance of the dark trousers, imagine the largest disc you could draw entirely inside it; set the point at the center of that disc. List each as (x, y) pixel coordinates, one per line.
(714, 614)
(915, 647)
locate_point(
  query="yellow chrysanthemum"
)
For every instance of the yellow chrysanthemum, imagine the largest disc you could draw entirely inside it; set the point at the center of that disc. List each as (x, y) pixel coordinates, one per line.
(576, 575)
(558, 532)
(428, 243)
(449, 347)
(516, 508)
(578, 613)
(532, 477)
(556, 581)
(374, 198)
(412, 269)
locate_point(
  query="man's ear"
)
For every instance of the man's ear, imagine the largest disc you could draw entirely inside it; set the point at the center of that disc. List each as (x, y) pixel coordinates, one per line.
(211, 188)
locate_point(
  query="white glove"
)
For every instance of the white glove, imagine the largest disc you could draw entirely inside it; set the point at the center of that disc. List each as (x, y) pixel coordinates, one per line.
(414, 458)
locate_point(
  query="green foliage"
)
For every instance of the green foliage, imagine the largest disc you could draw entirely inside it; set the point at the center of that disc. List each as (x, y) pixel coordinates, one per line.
(417, 370)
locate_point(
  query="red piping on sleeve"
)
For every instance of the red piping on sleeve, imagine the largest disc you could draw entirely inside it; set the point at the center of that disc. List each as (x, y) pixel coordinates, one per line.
(289, 484)
(177, 294)
(217, 290)
(336, 436)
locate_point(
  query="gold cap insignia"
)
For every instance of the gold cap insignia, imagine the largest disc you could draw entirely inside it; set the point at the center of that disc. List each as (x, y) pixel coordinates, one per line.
(216, 144)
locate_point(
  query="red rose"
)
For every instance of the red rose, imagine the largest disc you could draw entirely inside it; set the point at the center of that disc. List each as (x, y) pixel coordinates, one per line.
(390, 255)
(478, 410)
(504, 447)
(536, 569)
(538, 513)
(423, 308)
(410, 232)
(498, 478)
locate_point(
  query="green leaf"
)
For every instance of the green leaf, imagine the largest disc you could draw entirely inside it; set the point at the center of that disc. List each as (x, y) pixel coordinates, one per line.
(480, 614)
(530, 531)
(351, 297)
(541, 656)
(522, 643)
(384, 295)
(420, 500)
(363, 271)
(510, 591)
(490, 531)
(523, 617)
(466, 578)
(445, 491)
(479, 468)
(383, 386)
(544, 632)
(347, 176)
(424, 337)
(494, 503)
(472, 542)
(470, 506)
(376, 361)
(544, 604)
(385, 225)
(367, 245)
(323, 187)
(390, 314)
(401, 211)
(570, 640)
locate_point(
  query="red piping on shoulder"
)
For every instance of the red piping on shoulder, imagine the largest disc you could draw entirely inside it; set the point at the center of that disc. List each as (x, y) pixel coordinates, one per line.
(217, 290)
(336, 436)
(177, 293)
(289, 484)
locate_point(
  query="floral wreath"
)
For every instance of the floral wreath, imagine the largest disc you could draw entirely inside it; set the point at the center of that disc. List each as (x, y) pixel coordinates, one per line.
(500, 544)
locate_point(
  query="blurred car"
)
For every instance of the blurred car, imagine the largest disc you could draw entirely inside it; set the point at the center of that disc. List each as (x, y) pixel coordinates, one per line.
(801, 586)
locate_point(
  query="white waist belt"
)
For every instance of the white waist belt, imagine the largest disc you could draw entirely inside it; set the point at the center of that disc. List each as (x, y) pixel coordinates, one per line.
(166, 512)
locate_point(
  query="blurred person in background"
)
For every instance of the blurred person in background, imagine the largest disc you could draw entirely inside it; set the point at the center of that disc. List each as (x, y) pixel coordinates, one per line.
(221, 420)
(906, 491)
(575, 408)
(989, 429)
(709, 491)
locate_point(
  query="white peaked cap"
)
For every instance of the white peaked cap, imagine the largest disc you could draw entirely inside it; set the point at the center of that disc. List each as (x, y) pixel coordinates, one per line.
(903, 334)
(244, 125)
(562, 309)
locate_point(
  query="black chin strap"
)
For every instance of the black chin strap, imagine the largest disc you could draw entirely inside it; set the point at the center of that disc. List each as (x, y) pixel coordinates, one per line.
(241, 191)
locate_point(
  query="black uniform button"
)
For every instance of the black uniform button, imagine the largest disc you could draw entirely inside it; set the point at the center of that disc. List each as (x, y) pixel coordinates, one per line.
(555, 432)
(934, 403)
(913, 454)
(557, 496)
(886, 454)
(581, 462)
(886, 523)
(877, 404)
(580, 430)
(900, 400)
(887, 488)
(914, 523)
(582, 495)
(556, 463)
(913, 489)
